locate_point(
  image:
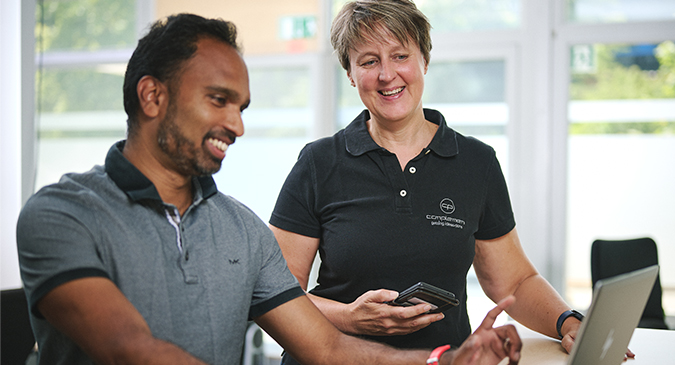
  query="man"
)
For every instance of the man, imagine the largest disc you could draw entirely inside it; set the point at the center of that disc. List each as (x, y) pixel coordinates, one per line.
(144, 261)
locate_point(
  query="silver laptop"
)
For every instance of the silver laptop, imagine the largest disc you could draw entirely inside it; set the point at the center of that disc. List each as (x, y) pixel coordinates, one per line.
(615, 311)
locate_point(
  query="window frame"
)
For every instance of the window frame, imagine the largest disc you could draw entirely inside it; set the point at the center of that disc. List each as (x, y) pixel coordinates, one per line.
(568, 34)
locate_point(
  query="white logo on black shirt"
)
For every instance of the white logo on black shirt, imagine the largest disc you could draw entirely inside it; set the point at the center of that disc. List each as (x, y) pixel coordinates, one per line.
(447, 206)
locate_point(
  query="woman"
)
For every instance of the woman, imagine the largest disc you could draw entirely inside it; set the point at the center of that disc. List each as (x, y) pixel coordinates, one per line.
(397, 197)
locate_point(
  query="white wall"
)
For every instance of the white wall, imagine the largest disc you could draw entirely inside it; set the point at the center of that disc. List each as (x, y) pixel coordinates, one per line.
(13, 107)
(10, 137)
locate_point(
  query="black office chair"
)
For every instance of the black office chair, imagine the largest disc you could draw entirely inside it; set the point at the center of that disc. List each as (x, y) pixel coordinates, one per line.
(611, 258)
(17, 336)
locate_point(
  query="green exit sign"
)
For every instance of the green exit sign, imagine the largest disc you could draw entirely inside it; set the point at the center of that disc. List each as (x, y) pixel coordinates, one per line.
(297, 27)
(583, 59)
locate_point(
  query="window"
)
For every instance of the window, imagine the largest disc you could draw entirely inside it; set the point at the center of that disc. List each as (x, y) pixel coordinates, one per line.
(465, 16)
(619, 11)
(82, 48)
(621, 154)
(279, 46)
(472, 97)
(277, 125)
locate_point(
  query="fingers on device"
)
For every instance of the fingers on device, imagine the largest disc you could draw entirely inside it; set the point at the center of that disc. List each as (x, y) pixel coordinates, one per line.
(421, 293)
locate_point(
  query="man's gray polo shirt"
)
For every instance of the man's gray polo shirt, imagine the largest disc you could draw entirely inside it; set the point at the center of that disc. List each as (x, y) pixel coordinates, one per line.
(110, 222)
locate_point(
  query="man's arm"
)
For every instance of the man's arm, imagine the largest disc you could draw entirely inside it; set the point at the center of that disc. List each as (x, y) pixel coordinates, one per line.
(95, 314)
(300, 328)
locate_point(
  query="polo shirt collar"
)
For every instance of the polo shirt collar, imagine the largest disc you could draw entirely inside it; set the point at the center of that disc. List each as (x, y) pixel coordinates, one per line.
(358, 141)
(138, 187)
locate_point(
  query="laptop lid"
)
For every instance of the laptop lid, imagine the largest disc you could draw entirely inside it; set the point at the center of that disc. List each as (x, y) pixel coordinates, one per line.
(615, 311)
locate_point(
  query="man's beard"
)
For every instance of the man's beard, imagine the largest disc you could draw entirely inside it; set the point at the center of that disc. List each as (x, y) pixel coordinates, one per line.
(179, 148)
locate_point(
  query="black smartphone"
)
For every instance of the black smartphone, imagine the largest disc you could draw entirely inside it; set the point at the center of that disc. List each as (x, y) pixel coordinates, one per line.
(439, 299)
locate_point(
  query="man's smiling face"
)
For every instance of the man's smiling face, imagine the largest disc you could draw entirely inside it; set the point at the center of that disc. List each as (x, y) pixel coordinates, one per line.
(204, 113)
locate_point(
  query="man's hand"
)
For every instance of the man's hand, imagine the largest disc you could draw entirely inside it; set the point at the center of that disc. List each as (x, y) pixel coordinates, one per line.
(488, 345)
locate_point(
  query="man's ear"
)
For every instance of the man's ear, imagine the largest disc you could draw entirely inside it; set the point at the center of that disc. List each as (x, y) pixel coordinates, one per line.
(152, 95)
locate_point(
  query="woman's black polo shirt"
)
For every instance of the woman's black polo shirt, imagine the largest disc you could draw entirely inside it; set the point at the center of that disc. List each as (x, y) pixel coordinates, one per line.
(383, 227)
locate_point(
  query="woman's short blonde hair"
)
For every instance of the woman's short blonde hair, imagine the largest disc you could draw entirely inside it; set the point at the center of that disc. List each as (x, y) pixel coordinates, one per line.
(363, 20)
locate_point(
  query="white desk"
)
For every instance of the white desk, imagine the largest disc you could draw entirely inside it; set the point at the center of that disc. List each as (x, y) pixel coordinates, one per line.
(652, 347)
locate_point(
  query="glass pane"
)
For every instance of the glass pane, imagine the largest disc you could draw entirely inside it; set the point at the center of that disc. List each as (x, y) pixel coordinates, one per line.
(471, 96)
(619, 11)
(79, 108)
(621, 156)
(464, 16)
(85, 24)
(277, 126)
(264, 27)
(80, 89)
(58, 155)
(80, 114)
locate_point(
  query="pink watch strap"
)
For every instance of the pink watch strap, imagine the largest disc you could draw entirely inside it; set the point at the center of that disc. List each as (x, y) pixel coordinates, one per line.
(436, 354)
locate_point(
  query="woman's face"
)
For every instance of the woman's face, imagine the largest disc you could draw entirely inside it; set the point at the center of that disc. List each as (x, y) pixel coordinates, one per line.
(389, 77)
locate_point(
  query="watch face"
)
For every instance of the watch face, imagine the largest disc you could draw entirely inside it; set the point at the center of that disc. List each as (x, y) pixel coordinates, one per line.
(577, 315)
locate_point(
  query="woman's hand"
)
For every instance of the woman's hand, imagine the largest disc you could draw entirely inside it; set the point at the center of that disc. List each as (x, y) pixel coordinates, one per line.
(370, 314)
(570, 335)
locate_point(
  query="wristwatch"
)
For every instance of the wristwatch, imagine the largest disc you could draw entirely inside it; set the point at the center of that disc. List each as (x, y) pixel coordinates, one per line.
(564, 316)
(436, 354)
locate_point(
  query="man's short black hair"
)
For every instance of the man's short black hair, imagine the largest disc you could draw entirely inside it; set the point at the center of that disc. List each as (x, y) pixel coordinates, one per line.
(161, 53)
